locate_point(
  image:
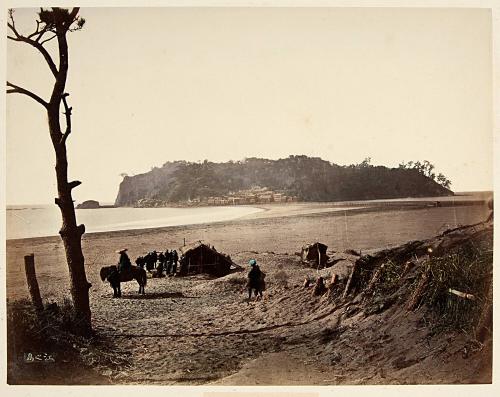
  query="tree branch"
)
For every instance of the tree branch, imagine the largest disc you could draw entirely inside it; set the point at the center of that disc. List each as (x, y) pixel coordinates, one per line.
(11, 17)
(73, 17)
(50, 38)
(67, 113)
(14, 89)
(38, 31)
(73, 14)
(36, 44)
(74, 184)
(41, 33)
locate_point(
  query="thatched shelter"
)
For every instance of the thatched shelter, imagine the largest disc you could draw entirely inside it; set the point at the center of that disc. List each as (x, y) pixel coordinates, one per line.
(201, 258)
(314, 254)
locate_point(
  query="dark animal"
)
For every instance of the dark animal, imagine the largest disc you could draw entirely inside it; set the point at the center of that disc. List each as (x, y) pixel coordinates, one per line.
(111, 274)
(150, 259)
(140, 261)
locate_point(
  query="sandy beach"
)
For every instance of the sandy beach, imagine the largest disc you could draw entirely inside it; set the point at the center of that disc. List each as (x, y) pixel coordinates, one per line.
(280, 229)
(197, 330)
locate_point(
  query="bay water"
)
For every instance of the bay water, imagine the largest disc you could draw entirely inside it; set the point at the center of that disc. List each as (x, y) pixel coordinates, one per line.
(45, 220)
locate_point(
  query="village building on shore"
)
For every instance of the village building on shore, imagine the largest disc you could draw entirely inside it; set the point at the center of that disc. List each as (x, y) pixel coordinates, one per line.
(255, 195)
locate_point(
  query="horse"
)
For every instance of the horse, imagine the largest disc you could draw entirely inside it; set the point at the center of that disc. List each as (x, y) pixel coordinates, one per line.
(140, 261)
(150, 260)
(114, 277)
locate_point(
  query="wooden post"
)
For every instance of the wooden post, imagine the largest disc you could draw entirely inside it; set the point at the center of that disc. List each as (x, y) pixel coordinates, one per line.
(375, 278)
(332, 285)
(201, 268)
(319, 258)
(461, 294)
(350, 280)
(419, 290)
(29, 267)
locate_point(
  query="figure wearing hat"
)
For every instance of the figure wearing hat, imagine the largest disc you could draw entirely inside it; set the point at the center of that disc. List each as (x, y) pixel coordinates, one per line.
(254, 279)
(124, 263)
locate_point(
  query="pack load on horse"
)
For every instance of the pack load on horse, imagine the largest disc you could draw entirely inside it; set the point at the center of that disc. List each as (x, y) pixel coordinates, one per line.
(150, 260)
(140, 261)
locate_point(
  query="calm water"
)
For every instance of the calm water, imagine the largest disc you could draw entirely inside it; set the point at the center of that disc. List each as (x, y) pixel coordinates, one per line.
(39, 221)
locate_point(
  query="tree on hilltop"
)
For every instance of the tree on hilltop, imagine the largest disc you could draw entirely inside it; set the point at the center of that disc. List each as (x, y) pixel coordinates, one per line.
(426, 168)
(55, 23)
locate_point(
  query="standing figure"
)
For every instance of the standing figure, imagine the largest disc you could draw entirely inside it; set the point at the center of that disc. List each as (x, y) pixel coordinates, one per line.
(161, 265)
(183, 266)
(255, 280)
(155, 257)
(175, 258)
(168, 264)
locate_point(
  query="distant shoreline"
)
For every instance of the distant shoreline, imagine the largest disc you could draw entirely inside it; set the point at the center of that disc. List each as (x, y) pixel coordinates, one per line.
(290, 210)
(365, 229)
(478, 193)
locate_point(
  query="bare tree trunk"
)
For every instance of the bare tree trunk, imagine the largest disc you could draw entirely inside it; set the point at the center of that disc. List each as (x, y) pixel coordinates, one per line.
(29, 267)
(57, 23)
(70, 232)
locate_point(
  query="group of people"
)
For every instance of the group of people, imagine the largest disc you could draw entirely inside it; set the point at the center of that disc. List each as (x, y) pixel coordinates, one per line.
(167, 262)
(161, 261)
(164, 262)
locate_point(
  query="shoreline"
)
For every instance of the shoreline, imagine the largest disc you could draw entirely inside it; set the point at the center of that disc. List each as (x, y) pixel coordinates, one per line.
(363, 229)
(288, 211)
(243, 219)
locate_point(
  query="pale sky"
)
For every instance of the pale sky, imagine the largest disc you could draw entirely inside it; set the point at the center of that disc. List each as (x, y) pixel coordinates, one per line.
(150, 85)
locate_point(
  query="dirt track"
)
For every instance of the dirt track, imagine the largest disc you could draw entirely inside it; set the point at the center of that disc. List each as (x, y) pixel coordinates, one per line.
(196, 331)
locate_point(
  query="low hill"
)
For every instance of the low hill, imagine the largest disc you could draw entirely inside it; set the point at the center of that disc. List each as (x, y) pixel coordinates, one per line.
(299, 178)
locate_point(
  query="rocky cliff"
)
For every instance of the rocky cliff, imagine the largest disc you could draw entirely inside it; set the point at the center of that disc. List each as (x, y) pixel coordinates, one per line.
(306, 178)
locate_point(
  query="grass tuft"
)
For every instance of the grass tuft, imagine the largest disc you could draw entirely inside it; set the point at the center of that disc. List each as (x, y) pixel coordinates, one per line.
(469, 269)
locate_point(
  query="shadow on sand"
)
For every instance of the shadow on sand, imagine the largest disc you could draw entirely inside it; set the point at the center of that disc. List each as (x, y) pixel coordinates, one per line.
(156, 295)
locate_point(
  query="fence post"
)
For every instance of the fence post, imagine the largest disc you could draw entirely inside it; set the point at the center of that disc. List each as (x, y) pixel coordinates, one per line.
(29, 267)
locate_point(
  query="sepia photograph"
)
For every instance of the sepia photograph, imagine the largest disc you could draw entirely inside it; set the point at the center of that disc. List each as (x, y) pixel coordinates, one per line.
(249, 196)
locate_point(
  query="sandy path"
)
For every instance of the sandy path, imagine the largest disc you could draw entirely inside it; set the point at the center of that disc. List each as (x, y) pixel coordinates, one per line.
(195, 330)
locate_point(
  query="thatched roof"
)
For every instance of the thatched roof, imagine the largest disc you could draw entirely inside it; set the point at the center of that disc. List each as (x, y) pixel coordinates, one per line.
(203, 258)
(189, 248)
(316, 245)
(314, 253)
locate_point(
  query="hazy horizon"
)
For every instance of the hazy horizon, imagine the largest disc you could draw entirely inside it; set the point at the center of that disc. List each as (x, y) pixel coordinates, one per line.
(342, 84)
